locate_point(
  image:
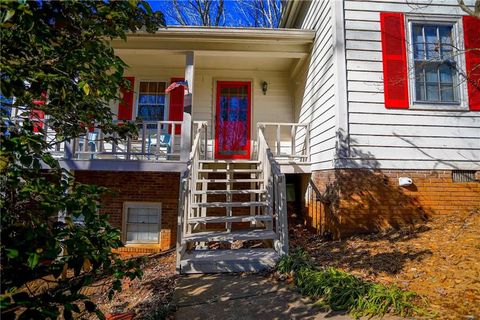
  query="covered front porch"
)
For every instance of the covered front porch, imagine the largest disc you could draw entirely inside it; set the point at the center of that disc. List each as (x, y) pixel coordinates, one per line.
(236, 82)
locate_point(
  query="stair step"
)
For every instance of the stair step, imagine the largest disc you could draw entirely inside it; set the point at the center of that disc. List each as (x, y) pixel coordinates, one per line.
(238, 260)
(247, 191)
(257, 234)
(232, 170)
(230, 204)
(228, 180)
(220, 219)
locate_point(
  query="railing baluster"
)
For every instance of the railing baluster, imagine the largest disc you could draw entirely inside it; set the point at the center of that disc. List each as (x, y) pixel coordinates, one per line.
(157, 153)
(278, 140)
(144, 138)
(293, 134)
(172, 141)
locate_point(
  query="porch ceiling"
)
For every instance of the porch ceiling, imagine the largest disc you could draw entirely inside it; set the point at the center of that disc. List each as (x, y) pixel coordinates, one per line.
(237, 42)
(164, 60)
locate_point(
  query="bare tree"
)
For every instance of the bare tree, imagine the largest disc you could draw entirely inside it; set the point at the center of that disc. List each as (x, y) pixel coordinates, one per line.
(472, 12)
(261, 13)
(197, 12)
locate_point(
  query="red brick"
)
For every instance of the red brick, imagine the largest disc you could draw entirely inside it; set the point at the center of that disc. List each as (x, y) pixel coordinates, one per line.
(160, 187)
(372, 201)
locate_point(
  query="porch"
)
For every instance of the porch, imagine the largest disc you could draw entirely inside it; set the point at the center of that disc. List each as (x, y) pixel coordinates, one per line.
(237, 82)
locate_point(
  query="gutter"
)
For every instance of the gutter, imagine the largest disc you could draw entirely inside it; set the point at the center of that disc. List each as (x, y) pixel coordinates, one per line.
(228, 34)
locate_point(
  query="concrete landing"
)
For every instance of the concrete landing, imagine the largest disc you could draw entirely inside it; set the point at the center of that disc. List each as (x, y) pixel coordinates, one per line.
(241, 297)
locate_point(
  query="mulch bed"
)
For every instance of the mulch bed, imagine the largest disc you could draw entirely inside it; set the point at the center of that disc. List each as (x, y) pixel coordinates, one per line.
(439, 260)
(145, 297)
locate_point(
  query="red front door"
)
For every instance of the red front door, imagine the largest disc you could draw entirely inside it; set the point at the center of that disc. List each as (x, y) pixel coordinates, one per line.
(232, 120)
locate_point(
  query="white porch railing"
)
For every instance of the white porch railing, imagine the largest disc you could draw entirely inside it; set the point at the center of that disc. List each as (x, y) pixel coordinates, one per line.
(188, 183)
(156, 140)
(274, 181)
(55, 147)
(288, 141)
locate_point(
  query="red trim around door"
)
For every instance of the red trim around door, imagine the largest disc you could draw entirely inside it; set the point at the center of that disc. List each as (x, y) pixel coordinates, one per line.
(244, 151)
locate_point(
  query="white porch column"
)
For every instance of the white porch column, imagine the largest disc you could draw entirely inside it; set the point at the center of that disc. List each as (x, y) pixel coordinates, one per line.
(187, 125)
(189, 75)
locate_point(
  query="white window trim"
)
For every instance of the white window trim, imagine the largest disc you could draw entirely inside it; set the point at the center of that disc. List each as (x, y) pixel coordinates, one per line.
(456, 22)
(126, 206)
(166, 112)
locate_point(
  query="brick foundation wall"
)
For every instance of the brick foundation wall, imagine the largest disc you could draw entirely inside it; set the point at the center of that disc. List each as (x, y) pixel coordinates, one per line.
(361, 201)
(162, 187)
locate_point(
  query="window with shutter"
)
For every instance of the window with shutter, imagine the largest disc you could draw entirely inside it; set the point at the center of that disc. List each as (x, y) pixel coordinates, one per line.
(435, 63)
(151, 101)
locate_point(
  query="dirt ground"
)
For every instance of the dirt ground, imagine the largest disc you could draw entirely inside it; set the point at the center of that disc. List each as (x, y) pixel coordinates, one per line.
(440, 260)
(152, 294)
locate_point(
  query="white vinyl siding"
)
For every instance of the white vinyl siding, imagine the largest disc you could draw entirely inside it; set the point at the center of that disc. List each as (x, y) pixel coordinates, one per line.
(316, 103)
(394, 138)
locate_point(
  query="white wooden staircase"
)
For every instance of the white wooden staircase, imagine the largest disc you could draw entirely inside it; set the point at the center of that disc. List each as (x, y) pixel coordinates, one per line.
(232, 213)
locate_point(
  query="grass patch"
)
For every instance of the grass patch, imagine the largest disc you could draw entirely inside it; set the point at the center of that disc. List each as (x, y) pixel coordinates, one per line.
(340, 291)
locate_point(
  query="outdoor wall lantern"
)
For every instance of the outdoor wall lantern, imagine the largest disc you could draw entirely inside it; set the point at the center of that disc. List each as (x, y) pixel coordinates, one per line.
(264, 87)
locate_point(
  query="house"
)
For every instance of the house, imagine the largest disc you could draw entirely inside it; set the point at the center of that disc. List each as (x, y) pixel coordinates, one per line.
(365, 114)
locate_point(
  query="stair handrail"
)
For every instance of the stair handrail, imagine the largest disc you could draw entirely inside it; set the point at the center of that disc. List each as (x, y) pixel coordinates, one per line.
(187, 184)
(274, 181)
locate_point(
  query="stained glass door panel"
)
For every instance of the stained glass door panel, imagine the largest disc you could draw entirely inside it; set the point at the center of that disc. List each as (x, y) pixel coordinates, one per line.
(232, 134)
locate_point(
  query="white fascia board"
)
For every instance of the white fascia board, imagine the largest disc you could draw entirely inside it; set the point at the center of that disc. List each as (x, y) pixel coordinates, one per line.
(287, 36)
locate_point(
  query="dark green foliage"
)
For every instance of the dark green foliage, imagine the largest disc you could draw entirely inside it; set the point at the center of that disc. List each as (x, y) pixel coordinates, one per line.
(59, 48)
(298, 259)
(340, 291)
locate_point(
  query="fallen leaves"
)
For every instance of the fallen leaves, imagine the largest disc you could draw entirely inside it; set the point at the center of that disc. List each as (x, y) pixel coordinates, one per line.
(440, 260)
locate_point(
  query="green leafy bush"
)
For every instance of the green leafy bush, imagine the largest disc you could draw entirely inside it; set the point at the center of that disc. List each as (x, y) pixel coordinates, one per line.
(340, 291)
(56, 58)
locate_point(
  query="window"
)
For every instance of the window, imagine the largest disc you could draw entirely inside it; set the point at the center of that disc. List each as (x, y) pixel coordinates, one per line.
(435, 64)
(151, 101)
(142, 223)
(463, 176)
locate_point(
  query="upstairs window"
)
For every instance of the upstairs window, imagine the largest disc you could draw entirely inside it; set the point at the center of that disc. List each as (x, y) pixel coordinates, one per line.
(151, 101)
(435, 66)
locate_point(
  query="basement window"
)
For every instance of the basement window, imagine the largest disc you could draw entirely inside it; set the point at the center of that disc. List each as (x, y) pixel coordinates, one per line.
(463, 176)
(142, 223)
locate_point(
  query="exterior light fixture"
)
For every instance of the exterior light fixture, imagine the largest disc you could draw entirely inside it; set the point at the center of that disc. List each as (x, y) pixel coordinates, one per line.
(264, 87)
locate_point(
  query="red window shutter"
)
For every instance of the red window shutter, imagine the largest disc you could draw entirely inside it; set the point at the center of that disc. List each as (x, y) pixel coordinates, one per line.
(394, 58)
(38, 115)
(125, 107)
(471, 27)
(175, 112)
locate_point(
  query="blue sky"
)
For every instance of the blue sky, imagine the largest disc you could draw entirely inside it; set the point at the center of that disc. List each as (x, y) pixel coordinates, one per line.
(233, 18)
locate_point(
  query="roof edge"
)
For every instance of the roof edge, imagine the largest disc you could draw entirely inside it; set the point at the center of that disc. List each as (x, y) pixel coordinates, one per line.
(296, 35)
(294, 9)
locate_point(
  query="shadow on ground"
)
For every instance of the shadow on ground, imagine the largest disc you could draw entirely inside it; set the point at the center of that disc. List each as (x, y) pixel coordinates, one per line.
(235, 296)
